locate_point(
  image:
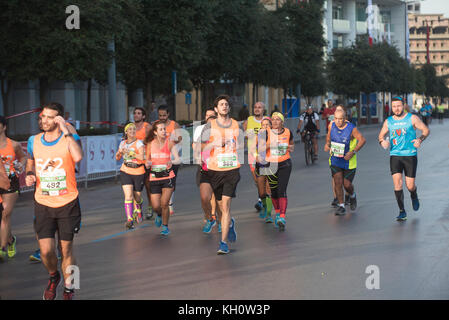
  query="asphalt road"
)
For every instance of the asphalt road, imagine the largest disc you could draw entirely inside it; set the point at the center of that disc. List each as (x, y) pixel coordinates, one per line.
(319, 256)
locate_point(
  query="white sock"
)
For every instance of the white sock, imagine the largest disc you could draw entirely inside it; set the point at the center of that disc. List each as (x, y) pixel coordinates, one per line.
(353, 195)
(342, 205)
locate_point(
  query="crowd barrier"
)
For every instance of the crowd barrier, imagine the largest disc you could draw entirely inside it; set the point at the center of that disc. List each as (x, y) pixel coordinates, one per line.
(99, 154)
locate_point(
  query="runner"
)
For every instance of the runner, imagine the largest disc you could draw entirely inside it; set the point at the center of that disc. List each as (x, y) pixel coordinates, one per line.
(441, 109)
(251, 127)
(36, 256)
(170, 127)
(51, 166)
(401, 127)
(208, 201)
(311, 121)
(262, 183)
(14, 161)
(221, 138)
(4, 184)
(159, 151)
(275, 146)
(343, 142)
(142, 131)
(425, 113)
(328, 113)
(132, 174)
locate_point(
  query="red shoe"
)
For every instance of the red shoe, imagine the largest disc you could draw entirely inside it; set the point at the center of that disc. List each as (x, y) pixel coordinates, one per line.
(68, 294)
(50, 291)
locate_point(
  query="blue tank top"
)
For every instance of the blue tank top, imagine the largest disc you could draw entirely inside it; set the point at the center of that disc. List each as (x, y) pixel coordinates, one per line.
(401, 135)
(340, 145)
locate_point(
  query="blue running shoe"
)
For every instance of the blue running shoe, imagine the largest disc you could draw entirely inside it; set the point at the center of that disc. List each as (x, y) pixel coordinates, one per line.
(232, 235)
(268, 219)
(276, 219)
(281, 224)
(402, 216)
(258, 205)
(223, 249)
(415, 203)
(209, 225)
(36, 256)
(219, 227)
(158, 221)
(165, 231)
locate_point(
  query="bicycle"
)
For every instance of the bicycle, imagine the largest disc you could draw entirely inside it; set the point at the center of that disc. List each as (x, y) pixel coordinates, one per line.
(308, 147)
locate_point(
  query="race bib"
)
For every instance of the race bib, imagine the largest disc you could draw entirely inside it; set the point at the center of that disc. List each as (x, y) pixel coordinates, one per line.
(338, 149)
(159, 168)
(227, 160)
(280, 150)
(53, 183)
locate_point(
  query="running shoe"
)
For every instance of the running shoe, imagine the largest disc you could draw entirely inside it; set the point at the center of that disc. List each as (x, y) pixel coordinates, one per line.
(12, 247)
(209, 225)
(170, 209)
(281, 224)
(341, 211)
(3, 255)
(232, 235)
(137, 216)
(353, 202)
(402, 216)
(165, 231)
(276, 219)
(268, 219)
(347, 201)
(129, 224)
(50, 292)
(68, 294)
(149, 214)
(223, 249)
(158, 221)
(334, 203)
(36, 256)
(415, 203)
(258, 205)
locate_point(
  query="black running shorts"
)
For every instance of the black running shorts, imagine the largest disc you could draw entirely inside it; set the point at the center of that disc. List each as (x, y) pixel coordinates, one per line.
(407, 165)
(348, 174)
(224, 183)
(202, 176)
(65, 220)
(158, 185)
(137, 181)
(15, 185)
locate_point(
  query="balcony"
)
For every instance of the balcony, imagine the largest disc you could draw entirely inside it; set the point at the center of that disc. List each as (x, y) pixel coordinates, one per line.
(341, 26)
(362, 27)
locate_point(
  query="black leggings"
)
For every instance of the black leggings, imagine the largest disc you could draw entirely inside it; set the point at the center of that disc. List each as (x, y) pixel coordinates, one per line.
(279, 181)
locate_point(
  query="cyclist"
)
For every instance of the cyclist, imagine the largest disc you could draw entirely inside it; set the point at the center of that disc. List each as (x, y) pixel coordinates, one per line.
(311, 121)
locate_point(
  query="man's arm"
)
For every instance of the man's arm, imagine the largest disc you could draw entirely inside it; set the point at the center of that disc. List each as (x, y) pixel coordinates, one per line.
(30, 173)
(382, 134)
(74, 148)
(360, 143)
(20, 155)
(418, 124)
(179, 138)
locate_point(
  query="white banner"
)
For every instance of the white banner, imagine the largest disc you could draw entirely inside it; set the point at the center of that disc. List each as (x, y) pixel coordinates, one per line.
(100, 153)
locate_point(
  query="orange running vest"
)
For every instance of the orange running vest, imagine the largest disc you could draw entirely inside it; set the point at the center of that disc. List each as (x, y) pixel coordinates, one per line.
(8, 155)
(224, 158)
(277, 146)
(159, 158)
(55, 173)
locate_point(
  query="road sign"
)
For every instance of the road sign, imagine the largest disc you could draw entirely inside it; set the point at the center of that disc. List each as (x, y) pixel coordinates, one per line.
(188, 98)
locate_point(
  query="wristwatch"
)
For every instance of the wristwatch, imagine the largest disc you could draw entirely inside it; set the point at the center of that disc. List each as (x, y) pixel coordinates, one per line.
(68, 135)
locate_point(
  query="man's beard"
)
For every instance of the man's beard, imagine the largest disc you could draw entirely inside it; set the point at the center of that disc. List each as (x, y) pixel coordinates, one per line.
(52, 128)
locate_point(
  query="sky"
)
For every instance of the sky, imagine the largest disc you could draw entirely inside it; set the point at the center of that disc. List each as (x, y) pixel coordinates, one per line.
(435, 6)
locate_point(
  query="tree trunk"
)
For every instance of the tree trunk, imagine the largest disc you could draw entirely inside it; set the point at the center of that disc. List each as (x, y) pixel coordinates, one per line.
(88, 104)
(196, 103)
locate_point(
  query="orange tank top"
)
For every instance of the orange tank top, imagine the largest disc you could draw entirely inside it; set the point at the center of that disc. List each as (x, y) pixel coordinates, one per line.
(170, 128)
(141, 133)
(224, 158)
(55, 173)
(159, 157)
(277, 146)
(8, 155)
(131, 160)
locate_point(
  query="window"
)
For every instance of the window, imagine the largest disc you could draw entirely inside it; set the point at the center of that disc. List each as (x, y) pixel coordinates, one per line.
(410, 7)
(361, 15)
(337, 12)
